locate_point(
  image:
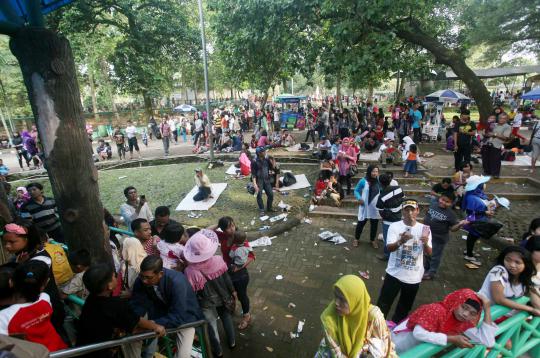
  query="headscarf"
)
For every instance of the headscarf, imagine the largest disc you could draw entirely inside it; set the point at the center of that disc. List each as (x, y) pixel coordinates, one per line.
(133, 252)
(199, 273)
(349, 332)
(439, 317)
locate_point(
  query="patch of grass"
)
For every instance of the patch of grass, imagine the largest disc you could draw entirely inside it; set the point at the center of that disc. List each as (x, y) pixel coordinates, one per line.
(168, 185)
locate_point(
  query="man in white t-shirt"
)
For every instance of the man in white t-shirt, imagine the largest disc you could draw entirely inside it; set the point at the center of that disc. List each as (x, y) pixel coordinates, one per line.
(131, 132)
(407, 241)
(516, 124)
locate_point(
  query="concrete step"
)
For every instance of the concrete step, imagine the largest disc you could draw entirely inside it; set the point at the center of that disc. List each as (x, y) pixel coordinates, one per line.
(333, 212)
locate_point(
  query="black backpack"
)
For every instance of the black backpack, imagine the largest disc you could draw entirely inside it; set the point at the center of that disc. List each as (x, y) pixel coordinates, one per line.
(289, 179)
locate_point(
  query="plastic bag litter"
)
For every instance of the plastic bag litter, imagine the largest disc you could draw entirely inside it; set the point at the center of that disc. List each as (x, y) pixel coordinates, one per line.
(262, 241)
(284, 206)
(279, 217)
(334, 237)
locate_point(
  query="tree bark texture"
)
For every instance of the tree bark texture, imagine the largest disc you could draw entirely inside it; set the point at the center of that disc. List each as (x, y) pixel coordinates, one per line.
(148, 105)
(338, 89)
(449, 57)
(48, 71)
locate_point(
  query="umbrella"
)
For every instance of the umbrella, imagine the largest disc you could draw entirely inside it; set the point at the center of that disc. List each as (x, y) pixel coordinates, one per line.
(532, 95)
(446, 95)
(185, 108)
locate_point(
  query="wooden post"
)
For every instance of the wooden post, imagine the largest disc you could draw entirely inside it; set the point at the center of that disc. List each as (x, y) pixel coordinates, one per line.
(48, 71)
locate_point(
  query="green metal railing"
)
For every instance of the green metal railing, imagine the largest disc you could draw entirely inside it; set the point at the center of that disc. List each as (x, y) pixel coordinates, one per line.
(522, 332)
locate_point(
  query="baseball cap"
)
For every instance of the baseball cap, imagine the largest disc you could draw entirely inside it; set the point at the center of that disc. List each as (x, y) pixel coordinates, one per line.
(198, 170)
(410, 202)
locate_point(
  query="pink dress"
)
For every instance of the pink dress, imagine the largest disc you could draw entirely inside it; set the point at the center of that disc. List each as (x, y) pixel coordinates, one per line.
(345, 161)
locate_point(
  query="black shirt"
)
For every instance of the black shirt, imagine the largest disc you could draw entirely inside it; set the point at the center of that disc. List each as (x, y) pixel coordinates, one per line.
(440, 221)
(438, 188)
(101, 317)
(464, 139)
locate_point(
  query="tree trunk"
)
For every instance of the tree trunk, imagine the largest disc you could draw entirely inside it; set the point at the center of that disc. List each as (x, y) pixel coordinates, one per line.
(148, 105)
(370, 93)
(264, 98)
(93, 93)
(449, 57)
(5, 213)
(48, 71)
(105, 74)
(195, 91)
(396, 97)
(338, 89)
(401, 87)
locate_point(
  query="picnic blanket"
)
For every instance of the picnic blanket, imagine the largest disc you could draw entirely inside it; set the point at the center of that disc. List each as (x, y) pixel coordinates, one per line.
(370, 157)
(188, 204)
(232, 170)
(301, 182)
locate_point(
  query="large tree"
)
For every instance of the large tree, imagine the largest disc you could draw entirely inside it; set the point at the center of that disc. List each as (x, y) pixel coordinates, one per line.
(155, 34)
(432, 24)
(261, 42)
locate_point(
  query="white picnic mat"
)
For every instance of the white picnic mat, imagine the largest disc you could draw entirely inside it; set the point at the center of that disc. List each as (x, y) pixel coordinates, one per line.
(232, 170)
(187, 204)
(296, 148)
(301, 182)
(371, 157)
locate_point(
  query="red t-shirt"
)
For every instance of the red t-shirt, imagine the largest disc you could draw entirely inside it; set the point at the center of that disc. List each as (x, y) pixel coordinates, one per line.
(32, 319)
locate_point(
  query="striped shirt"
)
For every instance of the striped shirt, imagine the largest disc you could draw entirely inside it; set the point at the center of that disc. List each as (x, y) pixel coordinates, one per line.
(44, 215)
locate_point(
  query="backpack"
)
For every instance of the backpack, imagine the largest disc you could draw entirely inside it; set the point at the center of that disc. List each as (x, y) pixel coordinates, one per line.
(289, 179)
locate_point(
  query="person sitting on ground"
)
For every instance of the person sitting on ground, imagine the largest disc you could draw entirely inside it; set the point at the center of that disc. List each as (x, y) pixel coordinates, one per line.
(105, 317)
(324, 148)
(237, 141)
(80, 261)
(389, 153)
(166, 297)
(162, 220)
(353, 327)
(451, 321)
(225, 142)
(328, 168)
(204, 186)
(370, 145)
(104, 150)
(533, 246)
(510, 278)
(444, 187)
(171, 246)
(31, 312)
(459, 180)
(207, 274)
(287, 140)
(244, 162)
(333, 193)
(263, 140)
(135, 207)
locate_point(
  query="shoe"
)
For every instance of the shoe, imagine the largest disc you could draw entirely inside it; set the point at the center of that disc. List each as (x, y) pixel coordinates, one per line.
(427, 277)
(375, 244)
(472, 260)
(475, 254)
(382, 257)
(244, 323)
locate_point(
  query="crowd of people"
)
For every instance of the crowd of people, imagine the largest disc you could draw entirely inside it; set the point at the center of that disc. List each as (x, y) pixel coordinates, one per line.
(169, 274)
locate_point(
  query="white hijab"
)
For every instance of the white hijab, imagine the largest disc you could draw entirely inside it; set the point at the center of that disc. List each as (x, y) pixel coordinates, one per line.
(408, 141)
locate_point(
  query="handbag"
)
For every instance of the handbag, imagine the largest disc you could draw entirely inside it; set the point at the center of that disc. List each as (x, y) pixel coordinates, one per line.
(353, 170)
(229, 301)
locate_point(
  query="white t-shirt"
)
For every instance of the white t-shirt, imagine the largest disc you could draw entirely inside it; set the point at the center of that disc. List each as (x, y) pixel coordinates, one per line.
(500, 274)
(198, 125)
(170, 253)
(131, 131)
(407, 262)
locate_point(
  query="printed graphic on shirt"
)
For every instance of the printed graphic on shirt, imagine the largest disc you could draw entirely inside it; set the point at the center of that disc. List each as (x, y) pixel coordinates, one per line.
(408, 255)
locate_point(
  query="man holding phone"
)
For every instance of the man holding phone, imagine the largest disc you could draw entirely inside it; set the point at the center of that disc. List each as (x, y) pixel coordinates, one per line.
(407, 241)
(135, 207)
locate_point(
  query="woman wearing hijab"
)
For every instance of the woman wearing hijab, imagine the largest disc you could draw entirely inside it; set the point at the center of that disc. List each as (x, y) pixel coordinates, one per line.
(346, 157)
(407, 142)
(353, 327)
(207, 274)
(475, 203)
(454, 321)
(133, 254)
(367, 192)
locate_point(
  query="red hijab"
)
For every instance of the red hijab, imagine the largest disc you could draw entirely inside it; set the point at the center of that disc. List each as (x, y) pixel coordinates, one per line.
(439, 317)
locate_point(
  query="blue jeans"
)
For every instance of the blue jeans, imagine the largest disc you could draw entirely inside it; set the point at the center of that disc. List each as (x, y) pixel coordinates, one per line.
(267, 187)
(433, 262)
(212, 315)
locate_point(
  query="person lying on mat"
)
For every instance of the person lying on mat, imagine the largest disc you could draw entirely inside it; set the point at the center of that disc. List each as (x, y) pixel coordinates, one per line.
(203, 183)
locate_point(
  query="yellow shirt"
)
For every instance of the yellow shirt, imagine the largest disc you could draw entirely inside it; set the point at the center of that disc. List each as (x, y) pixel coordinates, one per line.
(60, 264)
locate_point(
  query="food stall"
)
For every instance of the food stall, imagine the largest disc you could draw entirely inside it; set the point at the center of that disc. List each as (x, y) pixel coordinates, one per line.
(291, 116)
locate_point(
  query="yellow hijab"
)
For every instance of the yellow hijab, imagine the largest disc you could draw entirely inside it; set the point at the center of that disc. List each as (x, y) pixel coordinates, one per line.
(349, 331)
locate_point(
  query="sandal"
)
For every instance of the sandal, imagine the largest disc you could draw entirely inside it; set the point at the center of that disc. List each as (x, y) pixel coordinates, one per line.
(246, 320)
(355, 243)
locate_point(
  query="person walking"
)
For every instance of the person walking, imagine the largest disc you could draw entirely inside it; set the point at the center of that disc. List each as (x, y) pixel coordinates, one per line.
(408, 241)
(120, 141)
(464, 131)
(310, 128)
(491, 150)
(260, 168)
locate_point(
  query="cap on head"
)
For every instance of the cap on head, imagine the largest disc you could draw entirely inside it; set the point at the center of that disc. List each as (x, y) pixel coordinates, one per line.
(410, 203)
(198, 170)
